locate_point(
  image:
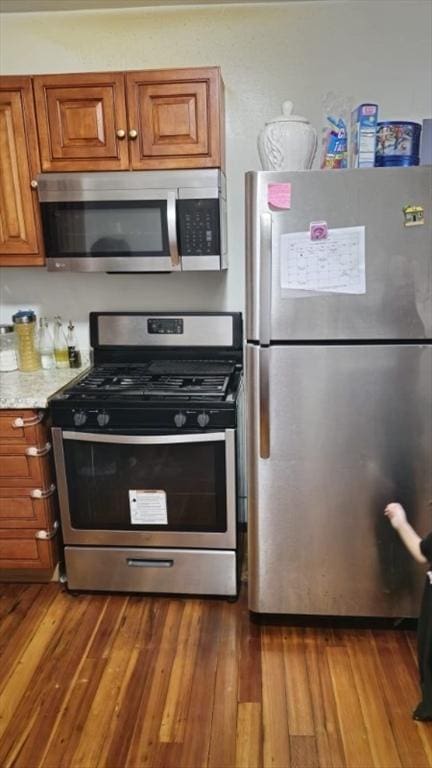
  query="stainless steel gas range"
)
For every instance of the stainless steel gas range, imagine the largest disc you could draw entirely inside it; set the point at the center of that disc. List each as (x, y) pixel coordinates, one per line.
(147, 447)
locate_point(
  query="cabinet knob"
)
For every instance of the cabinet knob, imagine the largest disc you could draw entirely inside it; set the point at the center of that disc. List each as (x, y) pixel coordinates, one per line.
(34, 184)
(133, 133)
(120, 133)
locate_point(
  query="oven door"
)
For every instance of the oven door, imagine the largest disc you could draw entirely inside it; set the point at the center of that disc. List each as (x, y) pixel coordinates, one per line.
(150, 490)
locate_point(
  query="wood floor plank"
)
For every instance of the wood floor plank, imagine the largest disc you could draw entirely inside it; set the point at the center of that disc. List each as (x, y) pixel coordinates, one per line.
(364, 665)
(250, 681)
(352, 726)
(401, 694)
(249, 736)
(326, 725)
(223, 733)
(178, 696)
(276, 750)
(196, 744)
(299, 705)
(303, 750)
(425, 734)
(145, 737)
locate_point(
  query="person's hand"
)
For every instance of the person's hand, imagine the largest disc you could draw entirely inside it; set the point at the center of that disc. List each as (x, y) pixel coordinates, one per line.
(396, 514)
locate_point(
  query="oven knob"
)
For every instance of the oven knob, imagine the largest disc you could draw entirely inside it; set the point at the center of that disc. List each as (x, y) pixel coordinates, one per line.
(103, 418)
(203, 419)
(79, 418)
(180, 419)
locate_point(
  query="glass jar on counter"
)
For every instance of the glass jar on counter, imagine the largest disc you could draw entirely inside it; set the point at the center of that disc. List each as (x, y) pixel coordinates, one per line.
(8, 358)
(25, 330)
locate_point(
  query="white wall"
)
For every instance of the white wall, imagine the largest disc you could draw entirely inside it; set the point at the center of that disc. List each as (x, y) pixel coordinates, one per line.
(378, 50)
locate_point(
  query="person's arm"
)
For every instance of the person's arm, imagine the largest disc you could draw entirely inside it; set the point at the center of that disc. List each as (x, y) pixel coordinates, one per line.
(397, 516)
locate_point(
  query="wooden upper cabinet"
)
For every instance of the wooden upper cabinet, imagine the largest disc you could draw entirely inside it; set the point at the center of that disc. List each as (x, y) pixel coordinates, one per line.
(162, 118)
(20, 228)
(82, 122)
(176, 118)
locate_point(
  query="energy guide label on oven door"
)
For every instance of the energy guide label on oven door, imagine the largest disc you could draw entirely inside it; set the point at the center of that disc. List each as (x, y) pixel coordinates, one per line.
(148, 507)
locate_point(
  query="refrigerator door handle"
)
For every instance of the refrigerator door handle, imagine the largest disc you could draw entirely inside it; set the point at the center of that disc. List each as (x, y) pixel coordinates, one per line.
(264, 403)
(265, 277)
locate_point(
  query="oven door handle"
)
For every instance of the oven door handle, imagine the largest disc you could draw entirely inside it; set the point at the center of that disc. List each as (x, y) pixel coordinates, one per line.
(90, 437)
(135, 562)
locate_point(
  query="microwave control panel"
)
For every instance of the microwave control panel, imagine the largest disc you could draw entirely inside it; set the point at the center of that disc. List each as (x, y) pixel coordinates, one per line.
(198, 227)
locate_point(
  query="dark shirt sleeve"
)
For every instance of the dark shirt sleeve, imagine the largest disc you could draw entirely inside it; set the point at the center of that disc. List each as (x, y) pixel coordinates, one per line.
(426, 547)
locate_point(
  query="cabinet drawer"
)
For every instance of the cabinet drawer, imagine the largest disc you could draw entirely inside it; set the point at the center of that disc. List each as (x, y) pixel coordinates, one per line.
(20, 549)
(22, 426)
(18, 467)
(19, 509)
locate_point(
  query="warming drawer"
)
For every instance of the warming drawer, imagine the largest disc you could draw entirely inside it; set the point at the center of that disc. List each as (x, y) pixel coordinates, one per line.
(186, 571)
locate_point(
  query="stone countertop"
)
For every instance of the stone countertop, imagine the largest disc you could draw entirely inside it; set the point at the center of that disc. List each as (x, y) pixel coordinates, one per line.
(32, 390)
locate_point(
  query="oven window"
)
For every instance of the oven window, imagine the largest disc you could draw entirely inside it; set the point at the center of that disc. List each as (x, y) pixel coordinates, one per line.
(191, 475)
(109, 228)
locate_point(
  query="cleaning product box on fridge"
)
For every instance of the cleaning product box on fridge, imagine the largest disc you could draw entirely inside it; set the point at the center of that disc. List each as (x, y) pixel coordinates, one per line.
(363, 136)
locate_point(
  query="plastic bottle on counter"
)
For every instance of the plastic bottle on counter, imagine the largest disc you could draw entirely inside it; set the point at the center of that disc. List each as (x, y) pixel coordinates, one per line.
(72, 345)
(8, 358)
(60, 345)
(25, 330)
(46, 345)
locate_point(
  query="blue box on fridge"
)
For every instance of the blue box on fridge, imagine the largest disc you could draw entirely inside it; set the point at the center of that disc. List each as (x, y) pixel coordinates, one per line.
(363, 136)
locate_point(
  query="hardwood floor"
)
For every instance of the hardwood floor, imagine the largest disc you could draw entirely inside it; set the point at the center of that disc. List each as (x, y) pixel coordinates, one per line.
(118, 681)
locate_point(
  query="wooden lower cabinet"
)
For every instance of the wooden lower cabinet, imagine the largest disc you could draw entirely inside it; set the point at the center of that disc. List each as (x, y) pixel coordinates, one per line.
(28, 500)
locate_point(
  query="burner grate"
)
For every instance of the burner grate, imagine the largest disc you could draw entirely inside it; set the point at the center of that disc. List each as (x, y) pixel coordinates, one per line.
(161, 379)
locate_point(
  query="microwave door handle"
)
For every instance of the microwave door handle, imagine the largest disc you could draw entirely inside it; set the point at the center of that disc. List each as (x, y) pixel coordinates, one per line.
(172, 229)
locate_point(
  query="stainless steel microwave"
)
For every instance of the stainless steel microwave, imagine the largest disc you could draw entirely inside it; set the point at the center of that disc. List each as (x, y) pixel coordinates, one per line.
(134, 221)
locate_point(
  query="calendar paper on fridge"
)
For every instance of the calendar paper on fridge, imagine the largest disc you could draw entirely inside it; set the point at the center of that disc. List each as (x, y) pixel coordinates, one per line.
(333, 265)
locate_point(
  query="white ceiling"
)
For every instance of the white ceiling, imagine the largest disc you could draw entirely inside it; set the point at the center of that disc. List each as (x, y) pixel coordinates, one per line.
(25, 6)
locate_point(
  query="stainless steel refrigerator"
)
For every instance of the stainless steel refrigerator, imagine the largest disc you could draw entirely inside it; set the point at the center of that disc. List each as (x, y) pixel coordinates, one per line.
(339, 387)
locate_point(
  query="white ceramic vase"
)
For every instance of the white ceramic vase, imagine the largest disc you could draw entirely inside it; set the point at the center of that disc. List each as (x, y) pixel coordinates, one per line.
(288, 142)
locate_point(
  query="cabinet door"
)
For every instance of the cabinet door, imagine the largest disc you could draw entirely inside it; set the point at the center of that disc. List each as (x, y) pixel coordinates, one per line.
(20, 229)
(175, 118)
(82, 122)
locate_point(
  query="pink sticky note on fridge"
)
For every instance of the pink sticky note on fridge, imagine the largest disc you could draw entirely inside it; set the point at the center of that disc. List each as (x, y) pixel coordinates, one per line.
(279, 195)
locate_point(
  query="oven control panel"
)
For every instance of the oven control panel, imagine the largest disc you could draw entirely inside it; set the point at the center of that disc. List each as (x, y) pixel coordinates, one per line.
(165, 325)
(117, 419)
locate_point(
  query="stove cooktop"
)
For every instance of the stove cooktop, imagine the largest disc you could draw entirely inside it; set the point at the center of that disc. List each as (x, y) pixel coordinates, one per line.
(160, 379)
(158, 394)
